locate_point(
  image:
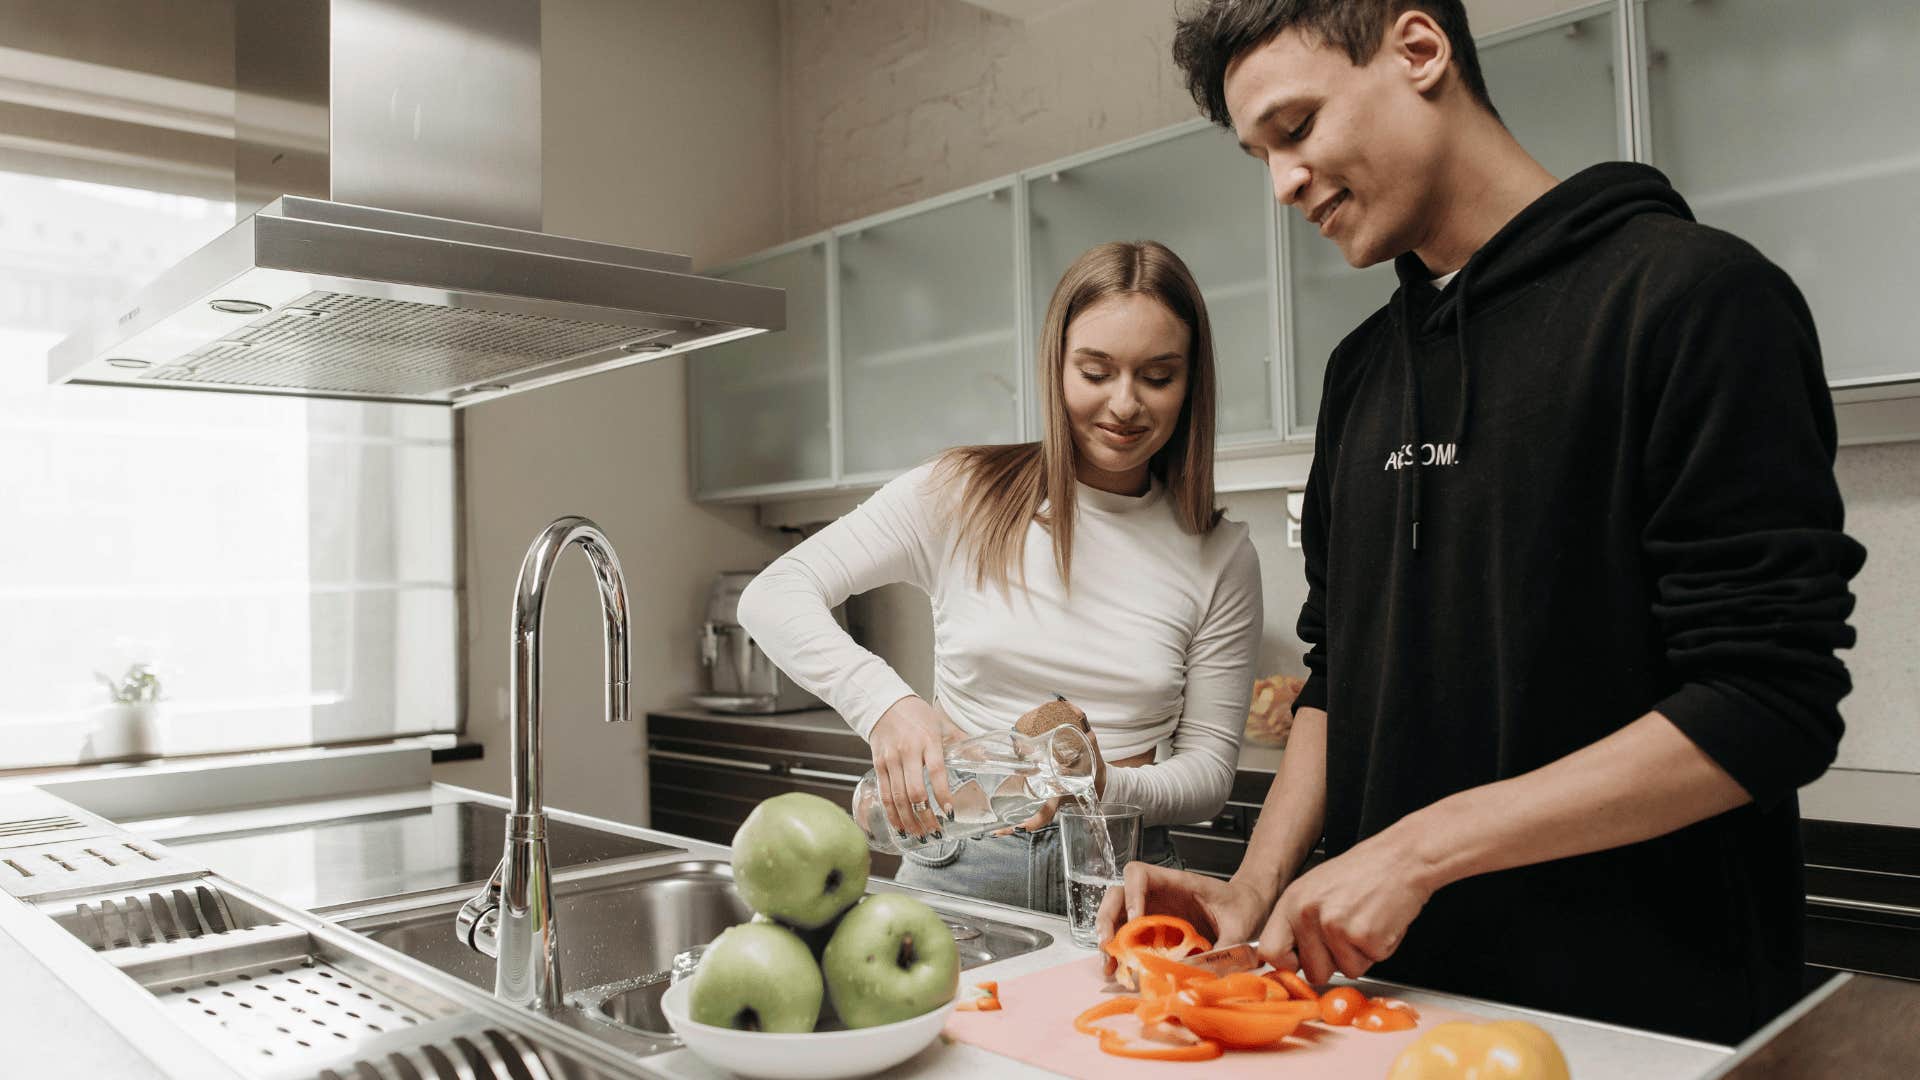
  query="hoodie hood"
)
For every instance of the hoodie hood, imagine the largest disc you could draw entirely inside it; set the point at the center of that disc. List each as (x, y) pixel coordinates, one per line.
(1552, 230)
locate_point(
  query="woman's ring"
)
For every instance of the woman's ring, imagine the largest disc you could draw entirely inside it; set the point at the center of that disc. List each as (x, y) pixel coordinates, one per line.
(919, 807)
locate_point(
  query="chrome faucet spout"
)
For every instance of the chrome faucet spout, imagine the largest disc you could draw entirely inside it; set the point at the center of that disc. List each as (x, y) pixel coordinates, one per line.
(512, 918)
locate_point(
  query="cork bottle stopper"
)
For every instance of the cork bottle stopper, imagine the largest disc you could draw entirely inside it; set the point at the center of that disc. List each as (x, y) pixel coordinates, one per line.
(1045, 718)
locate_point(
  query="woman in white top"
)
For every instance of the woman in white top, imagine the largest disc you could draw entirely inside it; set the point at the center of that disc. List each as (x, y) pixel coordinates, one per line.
(1092, 565)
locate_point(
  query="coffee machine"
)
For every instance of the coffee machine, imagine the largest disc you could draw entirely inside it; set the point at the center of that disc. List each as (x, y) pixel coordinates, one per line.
(736, 675)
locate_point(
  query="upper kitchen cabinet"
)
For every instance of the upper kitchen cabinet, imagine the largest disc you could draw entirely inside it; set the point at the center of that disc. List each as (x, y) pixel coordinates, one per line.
(761, 406)
(1192, 189)
(929, 349)
(1554, 84)
(1795, 127)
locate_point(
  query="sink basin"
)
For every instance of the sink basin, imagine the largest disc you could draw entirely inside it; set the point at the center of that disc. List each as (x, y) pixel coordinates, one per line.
(619, 931)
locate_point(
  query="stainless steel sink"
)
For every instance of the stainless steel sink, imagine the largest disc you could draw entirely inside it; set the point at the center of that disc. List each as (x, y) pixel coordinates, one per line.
(620, 929)
(321, 864)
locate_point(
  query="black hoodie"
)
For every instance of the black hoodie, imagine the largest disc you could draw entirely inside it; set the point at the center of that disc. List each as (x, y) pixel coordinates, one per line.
(1591, 478)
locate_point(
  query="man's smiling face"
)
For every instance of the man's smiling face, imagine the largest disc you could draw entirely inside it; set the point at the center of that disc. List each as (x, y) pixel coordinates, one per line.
(1351, 147)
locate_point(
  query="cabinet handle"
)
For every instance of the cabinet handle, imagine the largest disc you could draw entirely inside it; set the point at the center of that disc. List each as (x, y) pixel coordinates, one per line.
(821, 774)
(702, 759)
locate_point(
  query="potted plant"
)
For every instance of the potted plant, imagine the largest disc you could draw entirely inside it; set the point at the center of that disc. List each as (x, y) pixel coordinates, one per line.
(131, 728)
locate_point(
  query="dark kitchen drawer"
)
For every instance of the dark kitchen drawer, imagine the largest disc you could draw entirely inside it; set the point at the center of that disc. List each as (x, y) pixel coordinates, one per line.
(709, 798)
(693, 779)
(759, 735)
(1882, 941)
(814, 766)
(1215, 856)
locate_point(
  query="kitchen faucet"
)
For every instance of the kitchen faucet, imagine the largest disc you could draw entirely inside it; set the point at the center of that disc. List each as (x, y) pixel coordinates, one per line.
(511, 919)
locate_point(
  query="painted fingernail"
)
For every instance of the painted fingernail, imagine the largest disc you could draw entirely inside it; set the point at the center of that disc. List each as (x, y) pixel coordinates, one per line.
(939, 834)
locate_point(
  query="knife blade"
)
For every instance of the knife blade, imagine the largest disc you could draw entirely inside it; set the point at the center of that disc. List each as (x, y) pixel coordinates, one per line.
(1226, 961)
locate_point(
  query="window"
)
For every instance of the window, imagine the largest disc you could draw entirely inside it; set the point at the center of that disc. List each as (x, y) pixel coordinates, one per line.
(286, 566)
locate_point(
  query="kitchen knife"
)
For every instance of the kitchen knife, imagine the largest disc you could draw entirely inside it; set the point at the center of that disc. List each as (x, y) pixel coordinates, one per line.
(1226, 961)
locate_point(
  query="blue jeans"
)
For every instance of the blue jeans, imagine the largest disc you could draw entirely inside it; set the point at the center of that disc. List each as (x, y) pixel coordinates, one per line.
(1022, 870)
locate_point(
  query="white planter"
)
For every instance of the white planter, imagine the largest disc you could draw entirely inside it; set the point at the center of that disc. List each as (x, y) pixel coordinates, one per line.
(121, 731)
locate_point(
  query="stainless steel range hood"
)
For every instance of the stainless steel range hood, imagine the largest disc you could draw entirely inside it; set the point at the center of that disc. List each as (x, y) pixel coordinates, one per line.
(417, 274)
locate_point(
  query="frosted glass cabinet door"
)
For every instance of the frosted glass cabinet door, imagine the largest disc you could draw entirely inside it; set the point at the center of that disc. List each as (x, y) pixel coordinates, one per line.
(1554, 88)
(927, 347)
(1201, 196)
(760, 405)
(1796, 126)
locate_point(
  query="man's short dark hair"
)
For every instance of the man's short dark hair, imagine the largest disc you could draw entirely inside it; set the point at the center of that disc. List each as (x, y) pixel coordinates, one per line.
(1219, 32)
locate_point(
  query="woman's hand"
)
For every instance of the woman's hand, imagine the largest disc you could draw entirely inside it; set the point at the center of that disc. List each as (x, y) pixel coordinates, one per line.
(908, 746)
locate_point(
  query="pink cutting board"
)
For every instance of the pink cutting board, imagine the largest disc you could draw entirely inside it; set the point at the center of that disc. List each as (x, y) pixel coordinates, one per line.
(1035, 1025)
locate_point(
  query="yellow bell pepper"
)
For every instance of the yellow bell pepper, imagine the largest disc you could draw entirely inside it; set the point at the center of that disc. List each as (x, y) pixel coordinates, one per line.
(1500, 1050)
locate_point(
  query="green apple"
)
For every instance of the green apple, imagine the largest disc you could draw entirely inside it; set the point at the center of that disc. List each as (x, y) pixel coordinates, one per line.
(816, 939)
(800, 859)
(892, 958)
(756, 977)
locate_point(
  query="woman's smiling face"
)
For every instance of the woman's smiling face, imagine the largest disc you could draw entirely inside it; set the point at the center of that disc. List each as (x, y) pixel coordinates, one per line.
(1123, 383)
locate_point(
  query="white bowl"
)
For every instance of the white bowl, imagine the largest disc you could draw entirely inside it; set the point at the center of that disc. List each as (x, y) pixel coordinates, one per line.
(814, 1055)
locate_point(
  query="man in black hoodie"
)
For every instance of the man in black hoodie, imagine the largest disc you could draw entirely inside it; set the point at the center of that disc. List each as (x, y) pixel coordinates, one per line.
(1575, 565)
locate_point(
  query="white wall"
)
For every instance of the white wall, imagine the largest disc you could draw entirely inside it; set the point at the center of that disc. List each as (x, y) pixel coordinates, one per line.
(888, 102)
(660, 130)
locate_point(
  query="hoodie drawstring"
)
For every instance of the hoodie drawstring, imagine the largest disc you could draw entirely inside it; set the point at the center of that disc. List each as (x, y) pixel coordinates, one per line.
(1410, 418)
(1410, 406)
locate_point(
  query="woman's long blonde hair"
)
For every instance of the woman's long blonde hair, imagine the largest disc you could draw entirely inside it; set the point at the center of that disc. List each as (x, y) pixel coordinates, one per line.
(1002, 487)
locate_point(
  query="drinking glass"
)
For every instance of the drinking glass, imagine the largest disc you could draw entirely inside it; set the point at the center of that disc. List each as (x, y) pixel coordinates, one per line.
(1096, 844)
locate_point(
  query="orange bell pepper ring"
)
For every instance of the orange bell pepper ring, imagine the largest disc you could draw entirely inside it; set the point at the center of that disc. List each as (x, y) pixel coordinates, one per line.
(1166, 937)
(1118, 1045)
(1113, 1006)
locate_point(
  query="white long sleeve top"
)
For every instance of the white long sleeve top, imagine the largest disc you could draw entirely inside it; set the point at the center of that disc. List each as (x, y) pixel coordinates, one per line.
(1156, 640)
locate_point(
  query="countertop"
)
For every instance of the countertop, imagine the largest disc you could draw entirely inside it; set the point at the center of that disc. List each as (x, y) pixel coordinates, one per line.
(88, 1045)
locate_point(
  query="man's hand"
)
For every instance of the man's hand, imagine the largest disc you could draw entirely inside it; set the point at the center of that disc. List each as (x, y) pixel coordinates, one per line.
(1227, 911)
(1348, 913)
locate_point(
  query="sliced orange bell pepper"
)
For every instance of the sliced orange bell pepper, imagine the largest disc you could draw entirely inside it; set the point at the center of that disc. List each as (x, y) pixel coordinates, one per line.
(1118, 1045)
(1167, 937)
(1181, 974)
(1381, 1017)
(1245, 984)
(1306, 1010)
(1162, 933)
(1113, 1006)
(1340, 1005)
(1296, 985)
(987, 1001)
(1240, 1028)
(1397, 1004)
